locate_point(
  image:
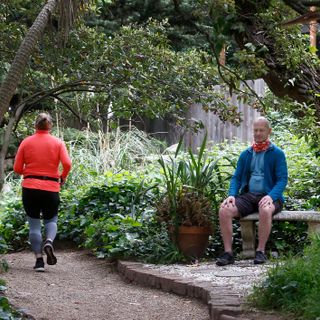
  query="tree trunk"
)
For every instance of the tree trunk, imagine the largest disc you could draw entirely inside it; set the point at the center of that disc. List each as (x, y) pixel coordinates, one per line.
(6, 141)
(21, 58)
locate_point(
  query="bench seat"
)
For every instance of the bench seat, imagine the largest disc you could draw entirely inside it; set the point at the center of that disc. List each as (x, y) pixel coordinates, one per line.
(248, 227)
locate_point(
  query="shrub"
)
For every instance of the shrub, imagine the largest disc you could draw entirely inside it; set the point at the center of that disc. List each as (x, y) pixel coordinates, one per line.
(293, 286)
(13, 226)
(93, 154)
(115, 220)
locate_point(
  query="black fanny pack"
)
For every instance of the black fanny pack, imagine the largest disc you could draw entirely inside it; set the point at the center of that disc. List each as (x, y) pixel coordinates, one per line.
(42, 178)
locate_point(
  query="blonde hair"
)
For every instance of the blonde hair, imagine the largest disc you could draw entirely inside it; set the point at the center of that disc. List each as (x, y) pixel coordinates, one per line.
(43, 121)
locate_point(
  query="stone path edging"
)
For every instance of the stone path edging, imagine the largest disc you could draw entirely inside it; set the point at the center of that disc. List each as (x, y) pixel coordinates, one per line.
(222, 302)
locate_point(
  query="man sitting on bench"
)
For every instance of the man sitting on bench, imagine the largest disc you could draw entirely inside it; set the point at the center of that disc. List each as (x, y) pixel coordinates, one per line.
(256, 186)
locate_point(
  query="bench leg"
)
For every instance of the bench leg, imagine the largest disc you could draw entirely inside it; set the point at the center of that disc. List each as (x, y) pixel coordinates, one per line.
(248, 233)
(313, 227)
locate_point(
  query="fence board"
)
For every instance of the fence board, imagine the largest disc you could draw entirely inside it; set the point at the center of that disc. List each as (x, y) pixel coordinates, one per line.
(219, 131)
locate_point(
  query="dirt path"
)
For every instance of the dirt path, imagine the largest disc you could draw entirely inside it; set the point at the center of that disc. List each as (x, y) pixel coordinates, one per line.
(81, 287)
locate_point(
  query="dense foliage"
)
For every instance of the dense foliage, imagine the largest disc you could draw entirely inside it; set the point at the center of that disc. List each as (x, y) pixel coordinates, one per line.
(260, 43)
(254, 38)
(293, 286)
(98, 79)
(115, 219)
(112, 211)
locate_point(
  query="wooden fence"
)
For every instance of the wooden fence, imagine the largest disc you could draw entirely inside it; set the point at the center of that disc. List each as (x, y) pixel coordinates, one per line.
(219, 131)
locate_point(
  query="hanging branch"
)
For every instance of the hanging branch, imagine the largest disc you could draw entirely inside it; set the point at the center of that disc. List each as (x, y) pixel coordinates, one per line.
(70, 108)
(230, 84)
(88, 86)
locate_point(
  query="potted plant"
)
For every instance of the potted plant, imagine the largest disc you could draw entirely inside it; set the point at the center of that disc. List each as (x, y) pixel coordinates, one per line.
(193, 192)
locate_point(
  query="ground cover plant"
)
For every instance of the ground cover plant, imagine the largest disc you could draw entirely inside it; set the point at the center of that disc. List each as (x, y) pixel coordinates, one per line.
(6, 310)
(115, 219)
(293, 286)
(13, 226)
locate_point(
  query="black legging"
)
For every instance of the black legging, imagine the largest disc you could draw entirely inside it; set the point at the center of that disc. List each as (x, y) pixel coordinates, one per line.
(40, 201)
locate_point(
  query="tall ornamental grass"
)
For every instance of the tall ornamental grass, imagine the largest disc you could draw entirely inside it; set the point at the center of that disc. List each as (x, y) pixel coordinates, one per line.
(94, 154)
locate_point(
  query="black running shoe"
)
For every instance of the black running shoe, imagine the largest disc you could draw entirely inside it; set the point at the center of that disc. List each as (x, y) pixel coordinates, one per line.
(260, 258)
(49, 251)
(225, 259)
(39, 266)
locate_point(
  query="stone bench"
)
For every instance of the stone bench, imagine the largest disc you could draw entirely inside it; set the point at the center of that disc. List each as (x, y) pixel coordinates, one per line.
(248, 226)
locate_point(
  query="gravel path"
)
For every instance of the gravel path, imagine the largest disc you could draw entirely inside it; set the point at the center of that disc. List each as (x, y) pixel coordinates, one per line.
(81, 287)
(240, 276)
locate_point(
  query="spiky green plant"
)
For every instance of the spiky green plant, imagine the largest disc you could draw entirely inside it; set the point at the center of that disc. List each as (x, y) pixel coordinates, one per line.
(193, 188)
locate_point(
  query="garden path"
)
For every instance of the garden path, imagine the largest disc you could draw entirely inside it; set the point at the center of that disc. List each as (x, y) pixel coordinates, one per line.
(81, 287)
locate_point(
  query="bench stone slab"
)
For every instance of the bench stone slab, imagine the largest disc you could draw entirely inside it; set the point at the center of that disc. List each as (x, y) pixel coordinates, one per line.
(248, 228)
(288, 216)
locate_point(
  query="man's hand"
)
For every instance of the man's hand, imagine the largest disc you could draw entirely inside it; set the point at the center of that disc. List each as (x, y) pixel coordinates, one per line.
(266, 201)
(229, 202)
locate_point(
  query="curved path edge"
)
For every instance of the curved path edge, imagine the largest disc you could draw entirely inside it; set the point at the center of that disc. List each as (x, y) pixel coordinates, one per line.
(222, 303)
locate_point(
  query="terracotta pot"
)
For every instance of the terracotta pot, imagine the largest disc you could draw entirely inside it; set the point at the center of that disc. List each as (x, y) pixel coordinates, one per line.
(192, 241)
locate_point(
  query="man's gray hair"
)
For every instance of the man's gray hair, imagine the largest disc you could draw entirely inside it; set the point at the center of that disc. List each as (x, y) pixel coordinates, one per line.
(263, 119)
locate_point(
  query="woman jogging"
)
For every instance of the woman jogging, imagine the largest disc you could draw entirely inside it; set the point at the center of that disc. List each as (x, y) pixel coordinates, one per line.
(38, 159)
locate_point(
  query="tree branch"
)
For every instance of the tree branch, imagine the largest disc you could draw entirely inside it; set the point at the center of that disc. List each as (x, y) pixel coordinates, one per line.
(6, 141)
(69, 107)
(297, 5)
(304, 19)
(221, 66)
(310, 3)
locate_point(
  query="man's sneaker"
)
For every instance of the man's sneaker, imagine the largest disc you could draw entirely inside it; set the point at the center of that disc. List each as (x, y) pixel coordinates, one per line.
(48, 249)
(225, 259)
(260, 258)
(39, 266)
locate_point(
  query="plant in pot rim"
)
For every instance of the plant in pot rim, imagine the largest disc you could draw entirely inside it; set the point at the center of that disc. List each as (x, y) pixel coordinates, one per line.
(194, 190)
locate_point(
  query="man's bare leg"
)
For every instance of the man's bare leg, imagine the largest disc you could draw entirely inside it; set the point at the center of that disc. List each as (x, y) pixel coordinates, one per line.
(265, 224)
(226, 216)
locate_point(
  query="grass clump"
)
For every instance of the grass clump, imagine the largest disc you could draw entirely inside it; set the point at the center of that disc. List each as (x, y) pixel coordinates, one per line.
(293, 286)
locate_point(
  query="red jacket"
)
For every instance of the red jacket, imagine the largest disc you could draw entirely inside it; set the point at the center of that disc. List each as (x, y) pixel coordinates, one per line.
(41, 155)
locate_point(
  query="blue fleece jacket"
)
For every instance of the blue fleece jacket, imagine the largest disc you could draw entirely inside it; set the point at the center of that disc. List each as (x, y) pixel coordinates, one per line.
(275, 173)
